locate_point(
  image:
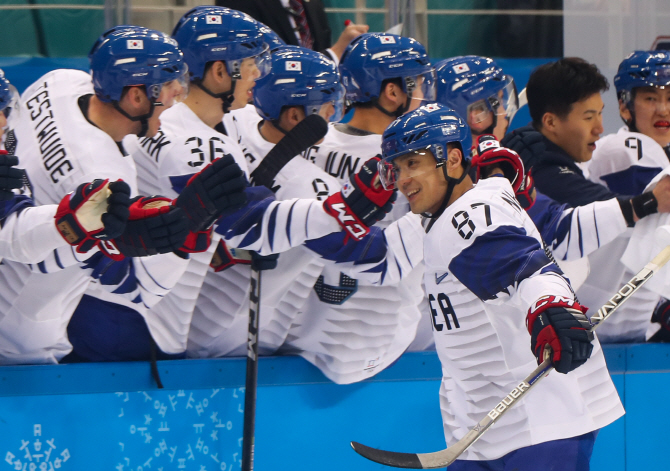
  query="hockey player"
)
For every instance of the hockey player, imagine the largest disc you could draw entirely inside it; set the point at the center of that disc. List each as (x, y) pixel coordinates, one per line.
(301, 82)
(489, 285)
(480, 92)
(625, 162)
(385, 76)
(28, 234)
(67, 134)
(226, 54)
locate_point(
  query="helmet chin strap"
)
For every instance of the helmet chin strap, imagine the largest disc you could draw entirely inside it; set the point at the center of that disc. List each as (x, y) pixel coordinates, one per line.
(143, 119)
(451, 184)
(399, 111)
(227, 98)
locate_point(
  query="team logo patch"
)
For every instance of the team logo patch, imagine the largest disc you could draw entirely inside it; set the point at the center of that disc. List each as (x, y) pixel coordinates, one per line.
(213, 19)
(460, 68)
(135, 44)
(387, 39)
(294, 65)
(431, 107)
(347, 189)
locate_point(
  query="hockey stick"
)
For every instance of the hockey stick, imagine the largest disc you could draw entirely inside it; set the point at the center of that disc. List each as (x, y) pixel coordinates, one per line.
(305, 134)
(445, 457)
(523, 100)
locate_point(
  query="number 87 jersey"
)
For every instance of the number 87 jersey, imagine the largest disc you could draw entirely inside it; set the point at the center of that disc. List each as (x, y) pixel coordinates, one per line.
(485, 265)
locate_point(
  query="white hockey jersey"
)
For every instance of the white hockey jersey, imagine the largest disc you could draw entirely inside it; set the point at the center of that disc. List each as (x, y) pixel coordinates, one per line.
(220, 321)
(350, 329)
(484, 267)
(183, 146)
(60, 149)
(625, 162)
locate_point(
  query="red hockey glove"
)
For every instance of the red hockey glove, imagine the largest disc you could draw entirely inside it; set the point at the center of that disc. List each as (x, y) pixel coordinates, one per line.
(489, 153)
(155, 226)
(362, 201)
(225, 257)
(217, 188)
(11, 178)
(92, 213)
(560, 323)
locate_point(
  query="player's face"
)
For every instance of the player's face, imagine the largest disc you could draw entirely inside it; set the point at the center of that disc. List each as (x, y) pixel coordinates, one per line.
(420, 181)
(481, 118)
(327, 111)
(243, 93)
(3, 124)
(578, 132)
(170, 93)
(652, 113)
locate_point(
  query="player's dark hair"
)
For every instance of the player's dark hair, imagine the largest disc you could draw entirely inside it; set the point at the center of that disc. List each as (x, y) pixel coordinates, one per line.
(556, 86)
(370, 104)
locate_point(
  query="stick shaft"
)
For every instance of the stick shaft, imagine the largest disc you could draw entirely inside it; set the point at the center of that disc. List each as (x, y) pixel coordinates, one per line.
(251, 382)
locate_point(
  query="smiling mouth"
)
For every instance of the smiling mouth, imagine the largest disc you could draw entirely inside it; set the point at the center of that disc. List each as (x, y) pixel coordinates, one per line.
(412, 193)
(662, 124)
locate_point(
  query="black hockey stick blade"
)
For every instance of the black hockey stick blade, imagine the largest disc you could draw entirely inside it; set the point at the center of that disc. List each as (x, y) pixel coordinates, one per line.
(389, 458)
(305, 134)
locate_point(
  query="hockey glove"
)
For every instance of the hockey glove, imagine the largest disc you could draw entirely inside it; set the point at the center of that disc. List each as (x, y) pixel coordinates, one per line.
(11, 178)
(225, 257)
(662, 314)
(92, 213)
(362, 201)
(217, 188)
(527, 142)
(197, 241)
(560, 323)
(155, 226)
(490, 154)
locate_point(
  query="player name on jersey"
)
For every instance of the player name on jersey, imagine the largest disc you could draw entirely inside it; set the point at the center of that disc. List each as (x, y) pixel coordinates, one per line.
(54, 155)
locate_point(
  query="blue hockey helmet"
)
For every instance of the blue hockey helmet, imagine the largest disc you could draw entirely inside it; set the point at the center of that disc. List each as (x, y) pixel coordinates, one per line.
(476, 87)
(429, 127)
(374, 57)
(132, 55)
(642, 69)
(209, 33)
(299, 77)
(9, 96)
(271, 38)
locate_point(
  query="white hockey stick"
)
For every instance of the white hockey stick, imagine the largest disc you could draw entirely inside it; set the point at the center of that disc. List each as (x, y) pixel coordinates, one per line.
(445, 457)
(523, 100)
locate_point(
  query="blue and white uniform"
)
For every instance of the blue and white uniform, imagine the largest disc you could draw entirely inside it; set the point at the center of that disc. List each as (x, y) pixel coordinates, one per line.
(484, 267)
(60, 149)
(625, 162)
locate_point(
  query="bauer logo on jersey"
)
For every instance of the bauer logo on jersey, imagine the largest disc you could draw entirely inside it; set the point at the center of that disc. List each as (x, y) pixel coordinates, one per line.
(213, 19)
(135, 44)
(294, 65)
(460, 68)
(387, 39)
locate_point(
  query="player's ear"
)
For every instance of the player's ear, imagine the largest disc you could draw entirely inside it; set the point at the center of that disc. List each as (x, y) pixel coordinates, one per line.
(549, 121)
(454, 158)
(135, 97)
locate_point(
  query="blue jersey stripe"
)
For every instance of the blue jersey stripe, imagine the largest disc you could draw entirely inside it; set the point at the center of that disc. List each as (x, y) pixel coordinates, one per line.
(498, 259)
(631, 181)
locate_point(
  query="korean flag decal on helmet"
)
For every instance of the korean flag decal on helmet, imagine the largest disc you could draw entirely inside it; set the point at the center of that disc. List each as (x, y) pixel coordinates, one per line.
(213, 19)
(135, 44)
(387, 39)
(461, 68)
(294, 66)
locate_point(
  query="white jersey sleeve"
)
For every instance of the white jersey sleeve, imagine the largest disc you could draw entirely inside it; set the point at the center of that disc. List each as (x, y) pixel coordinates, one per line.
(574, 233)
(28, 233)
